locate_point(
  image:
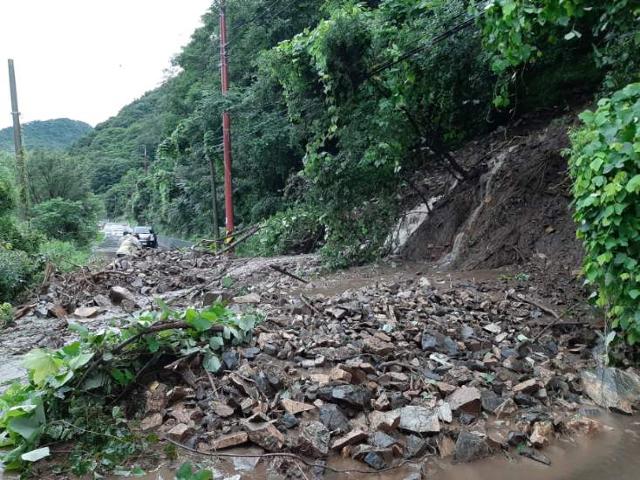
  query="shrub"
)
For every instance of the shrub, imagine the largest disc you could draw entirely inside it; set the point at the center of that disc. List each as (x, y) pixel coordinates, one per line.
(297, 230)
(68, 220)
(605, 166)
(65, 256)
(17, 270)
(6, 314)
(18, 236)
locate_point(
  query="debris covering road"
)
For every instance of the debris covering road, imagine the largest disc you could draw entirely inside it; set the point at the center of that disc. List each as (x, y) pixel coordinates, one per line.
(401, 367)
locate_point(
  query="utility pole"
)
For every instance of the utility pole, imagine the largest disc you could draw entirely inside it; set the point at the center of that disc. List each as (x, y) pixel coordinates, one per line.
(214, 194)
(226, 123)
(17, 141)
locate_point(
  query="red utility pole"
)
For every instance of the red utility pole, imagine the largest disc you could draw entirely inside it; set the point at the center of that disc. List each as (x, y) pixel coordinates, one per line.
(226, 123)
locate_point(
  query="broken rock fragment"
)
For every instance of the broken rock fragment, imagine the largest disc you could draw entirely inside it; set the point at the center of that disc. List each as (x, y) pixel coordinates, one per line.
(465, 399)
(419, 419)
(470, 447)
(314, 439)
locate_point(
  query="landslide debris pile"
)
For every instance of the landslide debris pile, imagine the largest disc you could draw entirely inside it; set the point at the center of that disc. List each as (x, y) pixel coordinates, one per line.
(388, 372)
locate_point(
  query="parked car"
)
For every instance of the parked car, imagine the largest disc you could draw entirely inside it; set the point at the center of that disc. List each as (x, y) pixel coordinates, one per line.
(147, 236)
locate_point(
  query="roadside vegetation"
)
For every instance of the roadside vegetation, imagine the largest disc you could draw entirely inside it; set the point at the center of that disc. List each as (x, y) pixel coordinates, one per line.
(57, 229)
(77, 393)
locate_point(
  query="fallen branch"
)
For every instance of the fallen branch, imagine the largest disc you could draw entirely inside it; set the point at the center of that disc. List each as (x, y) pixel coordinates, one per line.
(287, 273)
(240, 240)
(159, 327)
(288, 455)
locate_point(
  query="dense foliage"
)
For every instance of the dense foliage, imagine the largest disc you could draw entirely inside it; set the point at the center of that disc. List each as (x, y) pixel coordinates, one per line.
(605, 165)
(55, 134)
(59, 229)
(76, 391)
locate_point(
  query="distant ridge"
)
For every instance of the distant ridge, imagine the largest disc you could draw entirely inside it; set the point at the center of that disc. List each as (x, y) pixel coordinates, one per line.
(56, 134)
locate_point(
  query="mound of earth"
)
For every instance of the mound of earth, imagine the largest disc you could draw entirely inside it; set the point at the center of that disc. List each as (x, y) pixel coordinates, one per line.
(516, 212)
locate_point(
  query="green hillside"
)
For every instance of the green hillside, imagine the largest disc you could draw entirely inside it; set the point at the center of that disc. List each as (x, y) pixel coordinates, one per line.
(55, 134)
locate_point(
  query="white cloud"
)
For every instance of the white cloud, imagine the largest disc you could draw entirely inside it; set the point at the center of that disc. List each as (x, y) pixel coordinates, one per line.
(86, 59)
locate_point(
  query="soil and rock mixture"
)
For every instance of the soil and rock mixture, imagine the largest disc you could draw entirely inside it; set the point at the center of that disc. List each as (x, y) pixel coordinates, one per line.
(408, 366)
(515, 212)
(398, 364)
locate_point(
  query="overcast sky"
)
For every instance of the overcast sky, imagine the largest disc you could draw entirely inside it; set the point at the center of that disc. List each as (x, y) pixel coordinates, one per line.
(86, 59)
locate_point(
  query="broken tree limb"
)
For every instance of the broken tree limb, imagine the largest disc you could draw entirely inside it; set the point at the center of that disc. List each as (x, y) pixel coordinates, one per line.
(159, 327)
(287, 273)
(240, 240)
(293, 456)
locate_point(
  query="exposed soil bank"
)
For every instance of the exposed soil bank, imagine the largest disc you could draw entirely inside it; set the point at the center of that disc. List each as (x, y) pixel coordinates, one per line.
(516, 211)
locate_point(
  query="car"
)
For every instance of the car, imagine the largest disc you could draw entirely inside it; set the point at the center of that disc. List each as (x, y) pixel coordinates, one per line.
(146, 235)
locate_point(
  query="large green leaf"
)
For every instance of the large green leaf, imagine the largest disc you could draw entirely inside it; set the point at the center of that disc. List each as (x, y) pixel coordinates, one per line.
(41, 365)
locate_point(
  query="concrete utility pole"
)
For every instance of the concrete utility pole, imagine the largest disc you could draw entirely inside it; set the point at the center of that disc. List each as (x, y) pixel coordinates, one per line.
(23, 193)
(226, 123)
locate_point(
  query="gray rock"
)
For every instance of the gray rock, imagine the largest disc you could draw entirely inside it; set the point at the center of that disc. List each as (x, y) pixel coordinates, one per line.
(419, 419)
(381, 440)
(352, 395)
(376, 460)
(612, 388)
(314, 439)
(470, 447)
(332, 417)
(230, 359)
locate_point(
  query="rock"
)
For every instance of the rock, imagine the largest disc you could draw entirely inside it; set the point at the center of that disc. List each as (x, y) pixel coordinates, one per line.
(289, 421)
(527, 387)
(465, 399)
(612, 388)
(419, 420)
(446, 446)
(265, 435)
(352, 395)
(385, 421)
(228, 441)
(156, 397)
(119, 294)
(382, 440)
(444, 413)
(414, 446)
(251, 298)
(542, 433)
(151, 422)
(250, 353)
(584, 425)
(179, 432)
(493, 328)
(102, 301)
(86, 312)
(377, 347)
(230, 359)
(221, 409)
(490, 401)
(496, 439)
(332, 417)
(339, 375)
(470, 447)
(314, 439)
(429, 342)
(337, 313)
(294, 408)
(534, 455)
(516, 438)
(351, 438)
(377, 460)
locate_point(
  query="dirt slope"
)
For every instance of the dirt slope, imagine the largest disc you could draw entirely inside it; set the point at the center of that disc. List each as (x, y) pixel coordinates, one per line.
(515, 212)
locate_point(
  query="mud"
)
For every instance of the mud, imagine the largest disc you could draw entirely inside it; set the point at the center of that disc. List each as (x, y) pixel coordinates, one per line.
(516, 212)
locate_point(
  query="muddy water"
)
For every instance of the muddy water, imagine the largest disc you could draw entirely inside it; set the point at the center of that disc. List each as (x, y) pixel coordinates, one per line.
(611, 455)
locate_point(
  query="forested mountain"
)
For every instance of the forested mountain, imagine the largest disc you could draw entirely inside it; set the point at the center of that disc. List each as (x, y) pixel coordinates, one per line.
(335, 104)
(55, 134)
